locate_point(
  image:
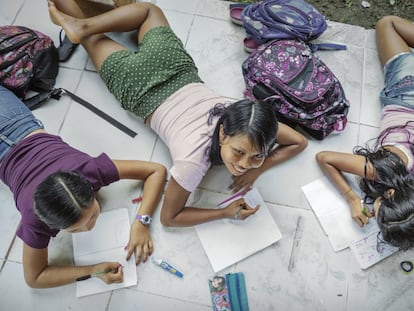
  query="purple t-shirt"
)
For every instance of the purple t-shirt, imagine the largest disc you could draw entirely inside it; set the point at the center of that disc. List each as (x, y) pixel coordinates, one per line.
(31, 161)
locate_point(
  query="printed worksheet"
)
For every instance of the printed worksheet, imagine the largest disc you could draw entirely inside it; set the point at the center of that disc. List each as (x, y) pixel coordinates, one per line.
(105, 242)
(229, 241)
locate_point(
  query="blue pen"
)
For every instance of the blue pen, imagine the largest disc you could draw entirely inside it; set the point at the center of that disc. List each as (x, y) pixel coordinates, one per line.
(166, 266)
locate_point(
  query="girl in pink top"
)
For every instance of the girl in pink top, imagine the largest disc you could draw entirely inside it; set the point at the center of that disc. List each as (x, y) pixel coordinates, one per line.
(385, 171)
(199, 127)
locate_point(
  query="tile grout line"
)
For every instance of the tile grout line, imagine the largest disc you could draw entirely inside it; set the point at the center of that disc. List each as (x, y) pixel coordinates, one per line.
(8, 252)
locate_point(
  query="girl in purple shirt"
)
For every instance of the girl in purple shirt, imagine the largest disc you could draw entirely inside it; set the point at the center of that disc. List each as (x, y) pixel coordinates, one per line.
(385, 172)
(54, 189)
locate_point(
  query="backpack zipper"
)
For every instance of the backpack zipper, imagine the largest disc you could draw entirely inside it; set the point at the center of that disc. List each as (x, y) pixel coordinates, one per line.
(276, 79)
(16, 59)
(20, 44)
(19, 56)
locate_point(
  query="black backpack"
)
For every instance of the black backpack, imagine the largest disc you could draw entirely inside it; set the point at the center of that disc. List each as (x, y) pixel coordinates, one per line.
(28, 61)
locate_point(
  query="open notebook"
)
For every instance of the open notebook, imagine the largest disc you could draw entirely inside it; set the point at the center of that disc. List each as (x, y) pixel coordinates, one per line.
(229, 241)
(334, 215)
(105, 242)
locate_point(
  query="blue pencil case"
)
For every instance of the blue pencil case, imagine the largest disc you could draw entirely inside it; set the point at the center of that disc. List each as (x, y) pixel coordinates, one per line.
(228, 293)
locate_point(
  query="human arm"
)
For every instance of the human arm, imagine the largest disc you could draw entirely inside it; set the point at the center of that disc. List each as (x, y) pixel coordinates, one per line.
(153, 175)
(174, 213)
(290, 143)
(39, 274)
(333, 164)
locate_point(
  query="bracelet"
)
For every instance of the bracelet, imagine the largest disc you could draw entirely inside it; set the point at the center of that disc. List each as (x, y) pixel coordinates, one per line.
(349, 190)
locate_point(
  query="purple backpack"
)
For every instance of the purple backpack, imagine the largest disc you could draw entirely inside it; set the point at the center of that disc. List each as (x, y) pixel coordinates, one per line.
(282, 19)
(28, 61)
(303, 89)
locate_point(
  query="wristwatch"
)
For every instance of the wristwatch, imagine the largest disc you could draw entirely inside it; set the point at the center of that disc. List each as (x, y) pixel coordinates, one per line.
(144, 219)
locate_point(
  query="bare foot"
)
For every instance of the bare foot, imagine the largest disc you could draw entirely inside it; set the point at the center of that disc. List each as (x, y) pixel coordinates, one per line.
(71, 25)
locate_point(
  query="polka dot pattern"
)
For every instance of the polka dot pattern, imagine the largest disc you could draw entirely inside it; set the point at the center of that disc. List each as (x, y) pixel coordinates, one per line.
(142, 80)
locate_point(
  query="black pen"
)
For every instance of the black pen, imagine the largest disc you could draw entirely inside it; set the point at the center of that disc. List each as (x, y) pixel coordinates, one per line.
(85, 277)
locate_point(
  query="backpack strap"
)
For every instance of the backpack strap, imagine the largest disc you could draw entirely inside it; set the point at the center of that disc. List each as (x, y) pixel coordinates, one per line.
(326, 46)
(99, 112)
(36, 100)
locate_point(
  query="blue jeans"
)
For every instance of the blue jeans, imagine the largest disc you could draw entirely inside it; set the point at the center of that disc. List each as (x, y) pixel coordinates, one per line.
(16, 121)
(399, 81)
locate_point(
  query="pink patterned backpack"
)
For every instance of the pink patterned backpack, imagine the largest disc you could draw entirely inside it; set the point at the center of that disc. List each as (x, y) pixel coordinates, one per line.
(303, 89)
(28, 61)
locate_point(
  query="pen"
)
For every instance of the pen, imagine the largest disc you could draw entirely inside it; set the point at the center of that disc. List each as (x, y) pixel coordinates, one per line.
(167, 267)
(364, 208)
(88, 276)
(232, 198)
(137, 200)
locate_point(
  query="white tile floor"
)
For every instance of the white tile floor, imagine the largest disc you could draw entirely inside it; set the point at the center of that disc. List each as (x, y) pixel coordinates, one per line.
(321, 279)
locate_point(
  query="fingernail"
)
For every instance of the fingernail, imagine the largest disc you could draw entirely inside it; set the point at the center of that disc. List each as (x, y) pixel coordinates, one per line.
(125, 248)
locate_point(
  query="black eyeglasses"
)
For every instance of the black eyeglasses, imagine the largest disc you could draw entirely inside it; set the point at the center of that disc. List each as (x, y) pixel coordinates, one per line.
(368, 200)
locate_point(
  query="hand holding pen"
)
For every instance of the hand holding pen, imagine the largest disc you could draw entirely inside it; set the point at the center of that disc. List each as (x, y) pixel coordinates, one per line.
(240, 210)
(109, 272)
(360, 212)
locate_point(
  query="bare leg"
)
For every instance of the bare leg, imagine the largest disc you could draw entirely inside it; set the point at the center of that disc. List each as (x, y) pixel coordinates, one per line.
(82, 8)
(89, 31)
(70, 7)
(123, 2)
(394, 35)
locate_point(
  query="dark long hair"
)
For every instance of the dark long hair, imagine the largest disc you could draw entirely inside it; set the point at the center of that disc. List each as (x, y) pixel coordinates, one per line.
(61, 197)
(395, 216)
(256, 119)
(390, 171)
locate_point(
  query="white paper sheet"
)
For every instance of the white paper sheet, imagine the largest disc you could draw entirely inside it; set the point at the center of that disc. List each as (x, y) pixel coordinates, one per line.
(229, 241)
(334, 215)
(105, 242)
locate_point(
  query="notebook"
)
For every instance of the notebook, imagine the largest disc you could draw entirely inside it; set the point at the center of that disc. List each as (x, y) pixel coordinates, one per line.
(105, 242)
(229, 241)
(342, 231)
